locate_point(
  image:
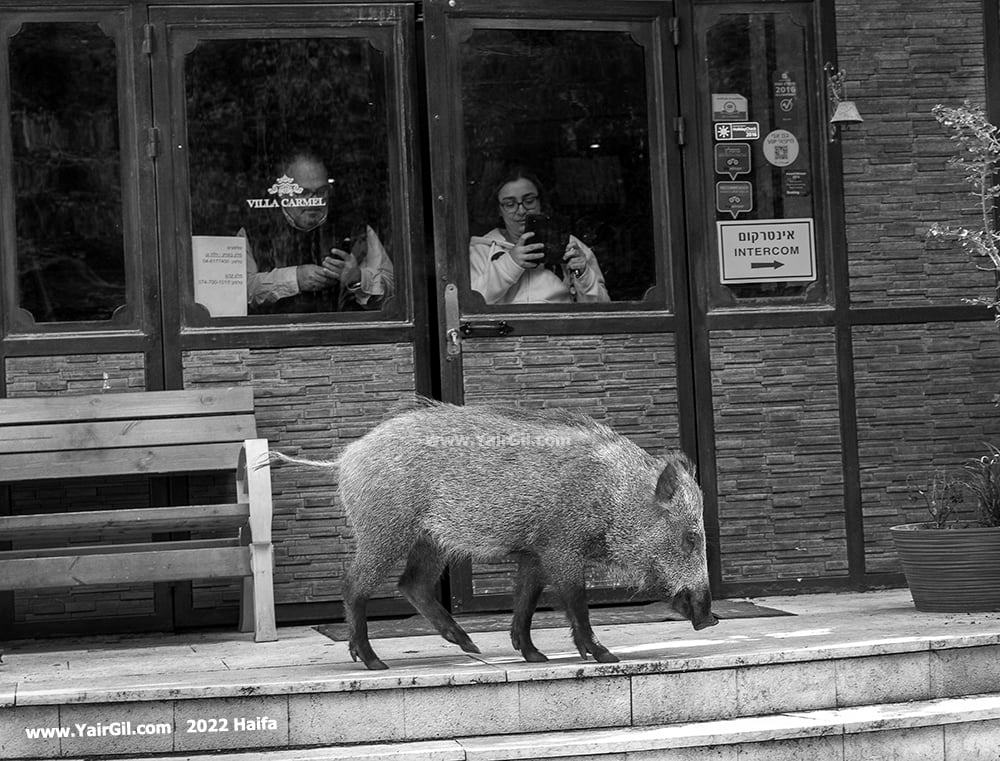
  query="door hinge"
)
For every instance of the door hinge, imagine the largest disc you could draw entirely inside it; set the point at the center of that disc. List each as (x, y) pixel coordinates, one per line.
(152, 142)
(147, 39)
(675, 30)
(679, 128)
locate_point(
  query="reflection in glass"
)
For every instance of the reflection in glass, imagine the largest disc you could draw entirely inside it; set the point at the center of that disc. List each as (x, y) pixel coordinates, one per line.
(532, 256)
(762, 57)
(570, 108)
(67, 172)
(288, 146)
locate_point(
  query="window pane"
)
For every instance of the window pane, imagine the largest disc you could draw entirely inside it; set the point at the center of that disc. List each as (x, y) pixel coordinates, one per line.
(570, 108)
(288, 150)
(67, 172)
(757, 72)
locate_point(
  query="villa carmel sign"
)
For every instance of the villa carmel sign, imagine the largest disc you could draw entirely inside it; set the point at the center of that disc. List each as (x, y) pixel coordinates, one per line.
(289, 196)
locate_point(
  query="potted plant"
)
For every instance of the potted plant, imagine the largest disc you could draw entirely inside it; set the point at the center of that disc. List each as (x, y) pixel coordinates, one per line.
(953, 565)
(950, 564)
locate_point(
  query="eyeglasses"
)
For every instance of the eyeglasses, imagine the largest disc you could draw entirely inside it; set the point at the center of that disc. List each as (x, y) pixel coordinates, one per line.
(323, 191)
(529, 202)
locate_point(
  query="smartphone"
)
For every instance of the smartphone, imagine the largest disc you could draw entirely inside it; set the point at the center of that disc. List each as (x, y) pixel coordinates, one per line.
(548, 231)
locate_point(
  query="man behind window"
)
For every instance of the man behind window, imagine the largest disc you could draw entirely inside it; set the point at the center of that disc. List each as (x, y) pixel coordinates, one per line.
(293, 265)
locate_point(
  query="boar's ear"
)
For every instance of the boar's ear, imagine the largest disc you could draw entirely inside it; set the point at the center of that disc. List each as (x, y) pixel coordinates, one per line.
(677, 464)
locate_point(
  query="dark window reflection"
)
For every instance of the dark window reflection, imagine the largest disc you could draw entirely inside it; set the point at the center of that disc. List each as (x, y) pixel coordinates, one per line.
(67, 172)
(288, 147)
(761, 58)
(567, 109)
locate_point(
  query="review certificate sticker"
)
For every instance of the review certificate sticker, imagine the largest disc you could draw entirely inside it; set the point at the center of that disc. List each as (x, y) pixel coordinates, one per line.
(733, 198)
(729, 107)
(781, 147)
(732, 159)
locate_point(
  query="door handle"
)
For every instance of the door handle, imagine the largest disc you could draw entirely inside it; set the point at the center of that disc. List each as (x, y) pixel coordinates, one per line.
(456, 330)
(486, 328)
(452, 315)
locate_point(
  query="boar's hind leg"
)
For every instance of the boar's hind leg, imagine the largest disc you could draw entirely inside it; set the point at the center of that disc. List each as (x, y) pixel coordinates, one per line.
(370, 567)
(573, 592)
(528, 588)
(423, 569)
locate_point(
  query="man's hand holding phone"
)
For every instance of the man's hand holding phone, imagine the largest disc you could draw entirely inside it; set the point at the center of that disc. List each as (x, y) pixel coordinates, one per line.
(342, 266)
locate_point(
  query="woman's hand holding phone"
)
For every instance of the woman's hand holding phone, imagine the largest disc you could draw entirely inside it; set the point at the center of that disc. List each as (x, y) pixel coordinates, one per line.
(527, 255)
(574, 259)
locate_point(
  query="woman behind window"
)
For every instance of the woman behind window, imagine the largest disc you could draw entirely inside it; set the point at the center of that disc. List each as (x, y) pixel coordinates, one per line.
(506, 267)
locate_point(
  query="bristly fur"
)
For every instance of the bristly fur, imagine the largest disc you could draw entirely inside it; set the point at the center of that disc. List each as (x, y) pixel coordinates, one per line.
(553, 489)
(416, 402)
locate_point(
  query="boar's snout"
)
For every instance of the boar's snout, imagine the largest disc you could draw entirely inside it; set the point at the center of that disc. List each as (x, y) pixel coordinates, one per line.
(696, 608)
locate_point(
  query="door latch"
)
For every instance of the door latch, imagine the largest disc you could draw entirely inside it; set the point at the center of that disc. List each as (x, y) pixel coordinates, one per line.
(452, 316)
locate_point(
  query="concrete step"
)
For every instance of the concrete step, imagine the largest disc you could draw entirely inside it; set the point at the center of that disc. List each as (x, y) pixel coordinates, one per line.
(303, 706)
(949, 729)
(222, 692)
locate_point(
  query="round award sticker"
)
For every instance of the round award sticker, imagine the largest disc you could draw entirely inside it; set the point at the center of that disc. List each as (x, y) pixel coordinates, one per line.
(781, 147)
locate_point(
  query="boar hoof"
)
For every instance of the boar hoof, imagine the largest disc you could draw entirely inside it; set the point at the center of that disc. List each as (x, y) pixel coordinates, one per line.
(534, 656)
(372, 662)
(458, 637)
(606, 657)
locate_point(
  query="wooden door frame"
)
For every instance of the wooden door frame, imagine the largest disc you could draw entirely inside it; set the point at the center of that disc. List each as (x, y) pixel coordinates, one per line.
(135, 330)
(395, 22)
(451, 232)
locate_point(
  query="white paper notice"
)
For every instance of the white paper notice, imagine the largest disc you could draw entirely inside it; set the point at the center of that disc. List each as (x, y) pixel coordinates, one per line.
(220, 274)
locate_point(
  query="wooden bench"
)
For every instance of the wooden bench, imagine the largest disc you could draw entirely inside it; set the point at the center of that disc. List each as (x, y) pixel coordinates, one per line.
(154, 433)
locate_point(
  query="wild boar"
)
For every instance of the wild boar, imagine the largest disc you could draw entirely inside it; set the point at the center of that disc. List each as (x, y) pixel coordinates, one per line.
(553, 490)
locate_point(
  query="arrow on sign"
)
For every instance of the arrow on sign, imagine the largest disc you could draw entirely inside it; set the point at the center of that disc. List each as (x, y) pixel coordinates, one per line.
(766, 265)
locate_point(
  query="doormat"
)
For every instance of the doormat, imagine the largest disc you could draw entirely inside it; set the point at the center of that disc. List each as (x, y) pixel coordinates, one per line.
(415, 626)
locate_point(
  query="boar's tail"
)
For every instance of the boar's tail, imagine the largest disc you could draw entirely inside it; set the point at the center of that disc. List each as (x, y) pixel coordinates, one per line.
(279, 457)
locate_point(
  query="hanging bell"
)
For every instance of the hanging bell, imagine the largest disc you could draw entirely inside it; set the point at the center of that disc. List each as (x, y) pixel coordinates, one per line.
(846, 113)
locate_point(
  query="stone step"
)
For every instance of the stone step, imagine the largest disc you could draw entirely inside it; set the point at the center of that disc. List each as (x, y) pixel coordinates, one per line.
(947, 729)
(203, 693)
(306, 706)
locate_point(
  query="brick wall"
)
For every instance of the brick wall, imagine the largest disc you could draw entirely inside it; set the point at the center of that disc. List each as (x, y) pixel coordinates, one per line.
(901, 59)
(924, 400)
(309, 402)
(74, 374)
(626, 381)
(778, 454)
(923, 391)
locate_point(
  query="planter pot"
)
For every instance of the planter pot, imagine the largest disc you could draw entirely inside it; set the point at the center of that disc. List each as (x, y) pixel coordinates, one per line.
(953, 570)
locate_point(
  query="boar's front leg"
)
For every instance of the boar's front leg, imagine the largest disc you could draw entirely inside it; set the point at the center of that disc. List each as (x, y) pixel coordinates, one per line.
(568, 579)
(528, 586)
